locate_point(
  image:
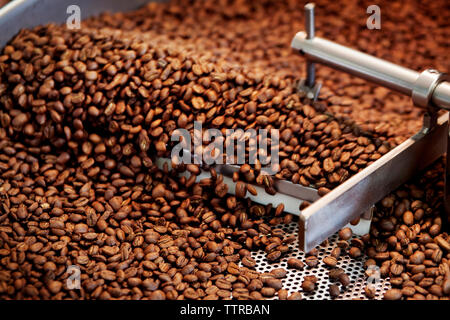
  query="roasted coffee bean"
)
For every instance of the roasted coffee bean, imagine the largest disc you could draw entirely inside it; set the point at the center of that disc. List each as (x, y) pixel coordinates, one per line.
(84, 115)
(274, 255)
(295, 296)
(283, 294)
(279, 210)
(323, 191)
(417, 258)
(336, 252)
(343, 244)
(354, 252)
(444, 244)
(311, 261)
(278, 273)
(408, 218)
(308, 286)
(295, 263)
(248, 262)
(334, 290)
(393, 294)
(274, 283)
(241, 189)
(446, 286)
(344, 279)
(335, 273)
(345, 234)
(311, 278)
(221, 190)
(330, 261)
(370, 291)
(408, 291)
(268, 292)
(252, 190)
(255, 284)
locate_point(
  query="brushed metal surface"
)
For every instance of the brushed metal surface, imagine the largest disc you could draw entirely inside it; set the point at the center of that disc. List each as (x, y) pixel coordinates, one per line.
(354, 268)
(21, 14)
(367, 67)
(354, 196)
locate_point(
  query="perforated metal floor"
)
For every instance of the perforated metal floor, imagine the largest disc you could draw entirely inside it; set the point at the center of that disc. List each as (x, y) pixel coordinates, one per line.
(294, 278)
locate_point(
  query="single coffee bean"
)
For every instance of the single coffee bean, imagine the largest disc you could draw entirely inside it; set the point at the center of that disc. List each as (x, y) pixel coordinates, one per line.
(330, 261)
(108, 275)
(336, 252)
(417, 258)
(408, 291)
(157, 295)
(345, 234)
(278, 273)
(308, 286)
(370, 291)
(393, 294)
(240, 189)
(248, 262)
(295, 296)
(221, 190)
(344, 279)
(312, 261)
(334, 290)
(335, 273)
(283, 294)
(354, 252)
(252, 190)
(274, 283)
(295, 263)
(323, 191)
(274, 255)
(268, 292)
(408, 218)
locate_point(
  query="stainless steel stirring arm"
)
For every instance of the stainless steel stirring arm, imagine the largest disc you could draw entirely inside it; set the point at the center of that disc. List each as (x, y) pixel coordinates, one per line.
(429, 89)
(356, 196)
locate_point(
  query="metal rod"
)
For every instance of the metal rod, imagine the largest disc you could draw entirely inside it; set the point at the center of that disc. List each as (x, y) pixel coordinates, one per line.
(310, 74)
(309, 20)
(446, 221)
(441, 96)
(23, 14)
(310, 33)
(367, 67)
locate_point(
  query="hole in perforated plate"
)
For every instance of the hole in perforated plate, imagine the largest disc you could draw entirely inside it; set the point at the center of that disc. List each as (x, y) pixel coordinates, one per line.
(294, 278)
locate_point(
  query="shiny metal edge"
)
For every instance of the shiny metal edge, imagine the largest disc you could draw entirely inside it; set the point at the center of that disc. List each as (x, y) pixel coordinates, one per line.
(20, 14)
(289, 194)
(347, 201)
(282, 186)
(367, 67)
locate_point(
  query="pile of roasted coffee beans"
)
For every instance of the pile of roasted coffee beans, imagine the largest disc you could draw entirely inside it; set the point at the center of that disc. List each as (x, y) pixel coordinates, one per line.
(407, 239)
(104, 96)
(155, 236)
(85, 113)
(406, 243)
